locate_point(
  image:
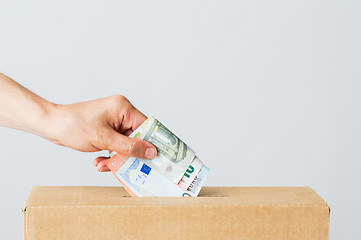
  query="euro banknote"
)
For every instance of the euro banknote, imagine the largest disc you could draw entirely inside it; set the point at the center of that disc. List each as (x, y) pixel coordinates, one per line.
(174, 156)
(141, 180)
(176, 171)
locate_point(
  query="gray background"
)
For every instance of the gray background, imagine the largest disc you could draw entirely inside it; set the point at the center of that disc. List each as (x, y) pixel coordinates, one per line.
(266, 92)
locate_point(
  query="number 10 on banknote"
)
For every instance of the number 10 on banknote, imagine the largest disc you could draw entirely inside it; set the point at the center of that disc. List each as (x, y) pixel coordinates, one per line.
(176, 171)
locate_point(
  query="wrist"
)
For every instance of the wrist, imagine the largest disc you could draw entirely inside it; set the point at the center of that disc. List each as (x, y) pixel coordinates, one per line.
(47, 121)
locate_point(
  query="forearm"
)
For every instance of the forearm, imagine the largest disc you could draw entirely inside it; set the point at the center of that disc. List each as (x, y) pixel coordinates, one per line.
(21, 109)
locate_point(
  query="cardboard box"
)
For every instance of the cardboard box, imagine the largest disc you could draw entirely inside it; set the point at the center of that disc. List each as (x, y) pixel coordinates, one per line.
(244, 213)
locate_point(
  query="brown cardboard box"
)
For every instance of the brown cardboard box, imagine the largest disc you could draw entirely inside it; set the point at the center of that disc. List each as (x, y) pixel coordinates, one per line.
(244, 213)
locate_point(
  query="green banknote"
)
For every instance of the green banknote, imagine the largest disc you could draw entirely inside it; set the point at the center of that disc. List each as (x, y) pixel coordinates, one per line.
(174, 156)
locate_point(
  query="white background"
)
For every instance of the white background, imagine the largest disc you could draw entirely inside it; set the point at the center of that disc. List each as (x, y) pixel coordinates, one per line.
(266, 92)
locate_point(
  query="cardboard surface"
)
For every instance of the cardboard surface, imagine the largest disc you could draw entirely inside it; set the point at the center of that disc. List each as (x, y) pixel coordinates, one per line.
(218, 213)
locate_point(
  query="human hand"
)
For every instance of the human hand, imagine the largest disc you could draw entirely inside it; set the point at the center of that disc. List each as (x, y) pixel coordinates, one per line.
(102, 124)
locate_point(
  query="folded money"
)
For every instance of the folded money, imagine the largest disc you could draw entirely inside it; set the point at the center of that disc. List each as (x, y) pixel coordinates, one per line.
(175, 171)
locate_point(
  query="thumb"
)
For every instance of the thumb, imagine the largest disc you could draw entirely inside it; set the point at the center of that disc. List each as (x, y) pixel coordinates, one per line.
(131, 146)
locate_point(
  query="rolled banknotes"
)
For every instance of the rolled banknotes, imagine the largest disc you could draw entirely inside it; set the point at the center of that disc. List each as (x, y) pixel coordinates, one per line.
(175, 171)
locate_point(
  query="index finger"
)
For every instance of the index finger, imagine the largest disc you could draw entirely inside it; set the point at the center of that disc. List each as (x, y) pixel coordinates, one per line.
(138, 118)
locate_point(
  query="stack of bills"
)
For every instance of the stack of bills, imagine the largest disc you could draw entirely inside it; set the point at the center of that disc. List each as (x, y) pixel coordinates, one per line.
(175, 172)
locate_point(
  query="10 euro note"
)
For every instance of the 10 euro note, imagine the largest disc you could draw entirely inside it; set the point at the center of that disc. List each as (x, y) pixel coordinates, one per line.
(175, 171)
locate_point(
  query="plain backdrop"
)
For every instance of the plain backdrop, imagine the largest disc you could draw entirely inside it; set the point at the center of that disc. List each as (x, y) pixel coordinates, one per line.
(266, 92)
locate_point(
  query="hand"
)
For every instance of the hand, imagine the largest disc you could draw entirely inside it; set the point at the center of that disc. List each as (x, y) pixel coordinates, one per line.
(102, 124)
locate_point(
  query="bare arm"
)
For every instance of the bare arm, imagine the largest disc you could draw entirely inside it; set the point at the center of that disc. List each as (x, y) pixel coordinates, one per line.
(22, 109)
(102, 124)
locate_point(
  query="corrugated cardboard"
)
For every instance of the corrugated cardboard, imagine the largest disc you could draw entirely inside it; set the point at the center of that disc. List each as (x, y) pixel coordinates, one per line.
(244, 213)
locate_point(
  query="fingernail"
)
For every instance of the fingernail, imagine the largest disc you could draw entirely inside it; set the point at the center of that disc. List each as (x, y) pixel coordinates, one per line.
(150, 153)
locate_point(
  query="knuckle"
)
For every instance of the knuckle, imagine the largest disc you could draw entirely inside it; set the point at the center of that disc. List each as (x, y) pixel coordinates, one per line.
(121, 102)
(119, 98)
